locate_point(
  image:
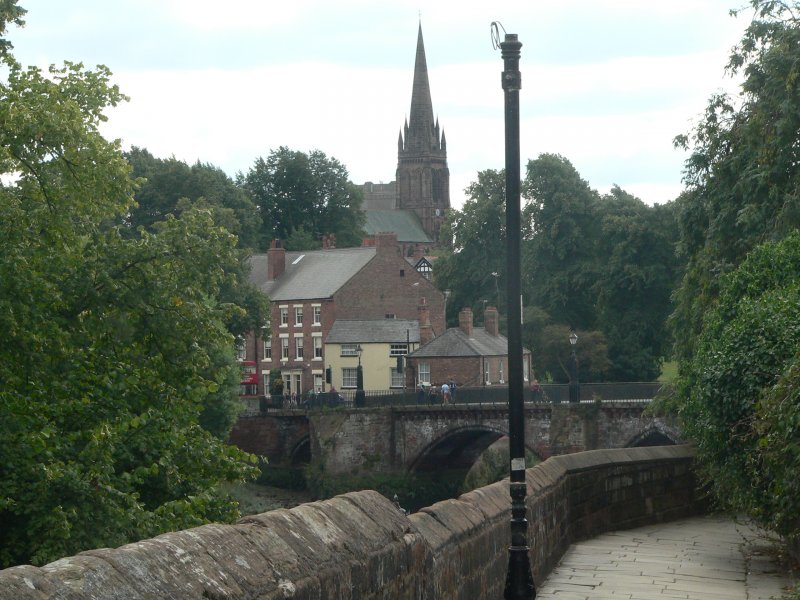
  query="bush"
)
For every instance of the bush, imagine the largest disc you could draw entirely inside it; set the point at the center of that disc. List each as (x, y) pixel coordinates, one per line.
(739, 395)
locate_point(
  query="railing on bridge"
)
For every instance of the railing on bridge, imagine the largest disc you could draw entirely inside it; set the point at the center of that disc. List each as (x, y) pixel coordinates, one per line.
(494, 395)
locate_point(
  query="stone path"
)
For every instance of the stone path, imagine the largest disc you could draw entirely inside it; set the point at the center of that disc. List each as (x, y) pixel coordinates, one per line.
(703, 558)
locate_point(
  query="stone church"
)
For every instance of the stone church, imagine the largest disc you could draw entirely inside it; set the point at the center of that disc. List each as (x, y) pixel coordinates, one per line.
(415, 204)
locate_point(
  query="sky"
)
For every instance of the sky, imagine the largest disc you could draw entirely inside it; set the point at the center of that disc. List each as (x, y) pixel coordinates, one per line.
(607, 84)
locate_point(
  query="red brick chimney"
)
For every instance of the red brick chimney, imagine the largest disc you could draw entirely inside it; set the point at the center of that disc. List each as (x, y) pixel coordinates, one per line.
(424, 317)
(490, 320)
(386, 241)
(465, 320)
(276, 260)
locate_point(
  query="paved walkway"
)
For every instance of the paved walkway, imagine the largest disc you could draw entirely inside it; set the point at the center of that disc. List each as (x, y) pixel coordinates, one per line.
(703, 558)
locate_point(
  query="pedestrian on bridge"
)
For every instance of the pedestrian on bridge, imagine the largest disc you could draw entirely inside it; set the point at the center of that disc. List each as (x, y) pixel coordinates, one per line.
(445, 393)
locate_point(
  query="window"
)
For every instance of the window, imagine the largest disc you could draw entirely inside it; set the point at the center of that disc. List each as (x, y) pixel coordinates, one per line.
(502, 379)
(424, 372)
(317, 382)
(486, 372)
(284, 348)
(284, 316)
(317, 315)
(318, 346)
(349, 349)
(298, 315)
(525, 368)
(402, 272)
(424, 269)
(268, 349)
(349, 377)
(398, 349)
(298, 345)
(241, 348)
(397, 379)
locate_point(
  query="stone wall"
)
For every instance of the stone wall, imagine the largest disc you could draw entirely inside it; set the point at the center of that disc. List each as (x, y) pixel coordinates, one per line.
(360, 545)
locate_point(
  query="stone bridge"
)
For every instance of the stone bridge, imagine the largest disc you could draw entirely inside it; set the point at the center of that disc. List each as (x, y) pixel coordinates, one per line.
(414, 438)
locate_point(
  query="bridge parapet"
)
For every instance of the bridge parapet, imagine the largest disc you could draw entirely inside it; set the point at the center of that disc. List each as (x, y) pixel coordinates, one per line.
(361, 546)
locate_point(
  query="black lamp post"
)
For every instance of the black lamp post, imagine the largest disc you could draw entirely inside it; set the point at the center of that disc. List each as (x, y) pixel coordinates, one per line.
(574, 386)
(519, 581)
(360, 398)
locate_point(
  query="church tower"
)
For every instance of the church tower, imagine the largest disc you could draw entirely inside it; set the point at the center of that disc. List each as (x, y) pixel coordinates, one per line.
(423, 179)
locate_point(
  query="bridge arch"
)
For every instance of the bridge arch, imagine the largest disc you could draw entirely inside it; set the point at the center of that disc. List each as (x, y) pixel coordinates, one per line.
(300, 453)
(657, 434)
(458, 448)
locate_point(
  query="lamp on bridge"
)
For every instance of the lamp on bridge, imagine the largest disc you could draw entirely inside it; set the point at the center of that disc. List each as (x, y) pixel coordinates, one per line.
(360, 398)
(574, 386)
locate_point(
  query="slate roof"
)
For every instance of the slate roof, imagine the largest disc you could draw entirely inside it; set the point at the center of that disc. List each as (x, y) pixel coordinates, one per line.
(405, 223)
(455, 343)
(310, 275)
(386, 331)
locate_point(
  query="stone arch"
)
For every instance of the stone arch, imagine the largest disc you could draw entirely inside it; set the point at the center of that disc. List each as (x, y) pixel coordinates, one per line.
(458, 448)
(656, 434)
(300, 453)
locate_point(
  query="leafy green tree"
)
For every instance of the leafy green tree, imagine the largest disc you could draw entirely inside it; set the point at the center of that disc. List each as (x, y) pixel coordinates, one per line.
(111, 344)
(312, 192)
(554, 353)
(739, 394)
(559, 251)
(743, 185)
(636, 272)
(475, 248)
(170, 186)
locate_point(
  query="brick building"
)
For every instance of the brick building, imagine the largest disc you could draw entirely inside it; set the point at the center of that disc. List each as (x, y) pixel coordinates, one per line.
(469, 355)
(310, 290)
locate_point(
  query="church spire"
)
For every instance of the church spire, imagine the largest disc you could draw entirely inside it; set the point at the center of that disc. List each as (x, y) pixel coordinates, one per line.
(420, 124)
(423, 179)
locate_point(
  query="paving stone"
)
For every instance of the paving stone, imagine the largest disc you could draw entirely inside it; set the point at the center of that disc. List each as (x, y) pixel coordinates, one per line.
(702, 558)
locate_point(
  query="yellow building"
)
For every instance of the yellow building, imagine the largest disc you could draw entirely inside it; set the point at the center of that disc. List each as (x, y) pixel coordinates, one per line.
(376, 345)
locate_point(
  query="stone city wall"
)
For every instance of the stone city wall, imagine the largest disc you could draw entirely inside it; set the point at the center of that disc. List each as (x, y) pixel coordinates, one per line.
(359, 545)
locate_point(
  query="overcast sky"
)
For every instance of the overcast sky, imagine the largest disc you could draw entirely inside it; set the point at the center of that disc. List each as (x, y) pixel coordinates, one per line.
(605, 83)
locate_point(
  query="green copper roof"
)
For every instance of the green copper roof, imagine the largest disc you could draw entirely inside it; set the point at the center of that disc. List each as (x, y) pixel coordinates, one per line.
(405, 223)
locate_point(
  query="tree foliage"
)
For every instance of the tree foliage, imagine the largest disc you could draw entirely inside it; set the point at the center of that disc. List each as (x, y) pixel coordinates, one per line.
(559, 252)
(743, 185)
(111, 345)
(170, 186)
(475, 243)
(603, 264)
(305, 196)
(740, 400)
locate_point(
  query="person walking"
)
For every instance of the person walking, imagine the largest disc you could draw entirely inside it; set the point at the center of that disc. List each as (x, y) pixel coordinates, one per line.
(445, 393)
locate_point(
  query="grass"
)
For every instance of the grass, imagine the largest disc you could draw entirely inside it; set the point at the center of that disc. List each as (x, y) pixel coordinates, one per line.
(669, 371)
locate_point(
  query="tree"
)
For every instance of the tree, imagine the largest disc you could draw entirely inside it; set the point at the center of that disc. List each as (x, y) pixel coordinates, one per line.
(170, 186)
(296, 191)
(475, 247)
(111, 344)
(554, 353)
(743, 187)
(636, 272)
(739, 393)
(559, 251)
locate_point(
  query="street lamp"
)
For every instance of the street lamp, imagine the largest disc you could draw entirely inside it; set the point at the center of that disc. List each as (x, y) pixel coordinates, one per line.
(574, 386)
(519, 581)
(446, 296)
(496, 276)
(360, 399)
